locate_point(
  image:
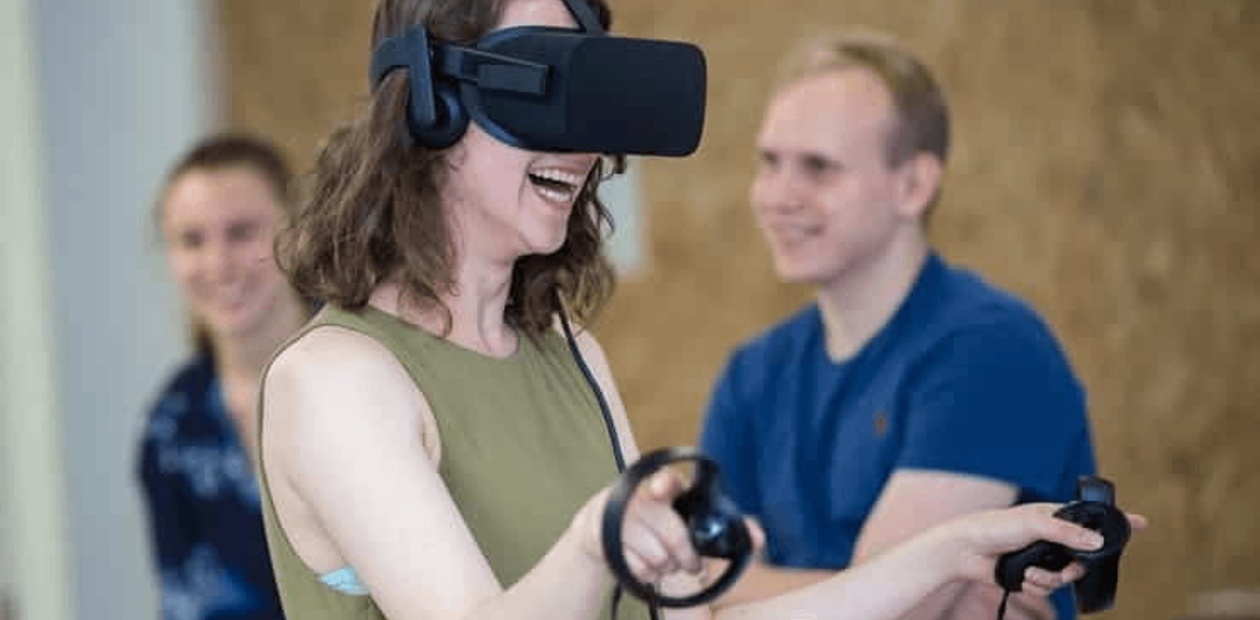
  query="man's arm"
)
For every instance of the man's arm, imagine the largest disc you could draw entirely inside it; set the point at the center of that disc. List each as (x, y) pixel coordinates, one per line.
(762, 581)
(993, 412)
(991, 407)
(914, 500)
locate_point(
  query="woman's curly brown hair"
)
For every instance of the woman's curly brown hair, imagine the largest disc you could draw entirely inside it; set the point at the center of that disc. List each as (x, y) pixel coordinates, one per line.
(373, 211)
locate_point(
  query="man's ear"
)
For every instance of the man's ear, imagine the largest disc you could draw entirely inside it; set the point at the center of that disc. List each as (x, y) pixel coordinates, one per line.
(919, 183)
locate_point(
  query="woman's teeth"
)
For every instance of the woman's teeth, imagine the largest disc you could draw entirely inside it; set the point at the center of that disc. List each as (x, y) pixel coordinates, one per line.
(556, 185)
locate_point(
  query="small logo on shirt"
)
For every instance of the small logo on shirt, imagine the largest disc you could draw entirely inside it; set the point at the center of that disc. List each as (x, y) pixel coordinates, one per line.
(881, 423)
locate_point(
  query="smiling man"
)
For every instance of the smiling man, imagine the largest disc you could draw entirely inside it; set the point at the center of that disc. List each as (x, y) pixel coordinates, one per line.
(911, 390)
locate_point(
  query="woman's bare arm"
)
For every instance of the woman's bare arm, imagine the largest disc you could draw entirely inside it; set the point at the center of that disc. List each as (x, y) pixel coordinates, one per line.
(345, 433)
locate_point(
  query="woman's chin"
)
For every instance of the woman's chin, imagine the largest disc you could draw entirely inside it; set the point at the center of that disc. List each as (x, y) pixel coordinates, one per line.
(233, 325)
(546, 244)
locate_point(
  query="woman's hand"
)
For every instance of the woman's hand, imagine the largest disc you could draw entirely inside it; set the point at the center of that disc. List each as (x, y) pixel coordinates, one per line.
(984, 537)
(655, 540)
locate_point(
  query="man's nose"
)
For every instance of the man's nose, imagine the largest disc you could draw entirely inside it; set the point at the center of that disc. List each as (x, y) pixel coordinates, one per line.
(778, 190)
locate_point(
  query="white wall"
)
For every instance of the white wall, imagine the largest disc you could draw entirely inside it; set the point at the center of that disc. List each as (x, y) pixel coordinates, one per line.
(627, 246)
(32, 500)
(121, 88)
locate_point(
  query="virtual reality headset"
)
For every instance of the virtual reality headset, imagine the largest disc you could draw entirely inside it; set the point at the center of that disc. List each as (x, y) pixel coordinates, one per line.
(552, 89)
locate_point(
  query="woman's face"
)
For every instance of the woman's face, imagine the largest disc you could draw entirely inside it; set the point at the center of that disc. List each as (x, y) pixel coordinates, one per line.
(507, 202)
(218, 226)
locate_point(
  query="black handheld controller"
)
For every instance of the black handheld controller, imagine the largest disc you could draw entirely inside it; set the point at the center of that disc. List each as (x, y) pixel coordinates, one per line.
(716, 526)
(1094, 508)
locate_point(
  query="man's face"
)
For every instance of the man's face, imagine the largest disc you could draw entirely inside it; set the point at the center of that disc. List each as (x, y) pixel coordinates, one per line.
(825, 196)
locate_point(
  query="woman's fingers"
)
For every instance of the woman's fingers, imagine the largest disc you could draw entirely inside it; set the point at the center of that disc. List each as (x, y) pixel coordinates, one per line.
(665, 485)
(757, 534)
(640, 568)
(1067, 533)
(1074, 571)
(655, 533)
(650, 548)
(993, 534)
(1042, 582)
(1080, 537)
(657, 536)
(666, 529)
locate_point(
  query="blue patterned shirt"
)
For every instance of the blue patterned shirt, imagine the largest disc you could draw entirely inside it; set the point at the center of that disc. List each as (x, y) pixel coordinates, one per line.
(201, 496)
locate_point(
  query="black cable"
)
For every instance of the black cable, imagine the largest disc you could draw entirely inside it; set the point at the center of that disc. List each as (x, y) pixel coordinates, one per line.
(599, 394)
(612, 435)
(1002, 606)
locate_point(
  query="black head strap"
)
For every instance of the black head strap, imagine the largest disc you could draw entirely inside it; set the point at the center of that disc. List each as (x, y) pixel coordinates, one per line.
(492, 72)
(488, 71)
(412, 51)
(407, 51)
(586, 18)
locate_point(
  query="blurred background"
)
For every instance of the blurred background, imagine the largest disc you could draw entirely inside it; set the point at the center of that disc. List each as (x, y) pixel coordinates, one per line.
(1107, 168)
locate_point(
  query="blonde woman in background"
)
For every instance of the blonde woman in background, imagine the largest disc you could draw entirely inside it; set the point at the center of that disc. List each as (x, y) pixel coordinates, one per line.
(218, 212)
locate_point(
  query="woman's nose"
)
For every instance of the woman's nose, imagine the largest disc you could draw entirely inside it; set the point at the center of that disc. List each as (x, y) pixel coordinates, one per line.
(218, 258)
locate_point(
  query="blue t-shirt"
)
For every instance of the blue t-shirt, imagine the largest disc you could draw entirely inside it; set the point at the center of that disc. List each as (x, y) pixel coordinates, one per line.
(964, 378)
(204, 514)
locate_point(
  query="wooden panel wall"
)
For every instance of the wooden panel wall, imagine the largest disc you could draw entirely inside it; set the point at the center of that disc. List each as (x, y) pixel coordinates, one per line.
(1107, 168)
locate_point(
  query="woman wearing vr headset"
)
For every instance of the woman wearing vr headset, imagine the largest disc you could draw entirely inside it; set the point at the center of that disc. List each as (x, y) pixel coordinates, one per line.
(430, 446)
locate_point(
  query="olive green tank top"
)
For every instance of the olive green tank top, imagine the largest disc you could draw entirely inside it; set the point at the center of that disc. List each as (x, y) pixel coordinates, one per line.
(523, 446)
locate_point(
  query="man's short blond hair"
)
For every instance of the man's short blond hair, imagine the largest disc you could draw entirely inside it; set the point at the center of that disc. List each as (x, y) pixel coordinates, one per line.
(921, 122)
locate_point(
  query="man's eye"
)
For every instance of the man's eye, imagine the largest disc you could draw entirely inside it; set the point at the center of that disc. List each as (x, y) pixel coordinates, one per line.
(819, 165)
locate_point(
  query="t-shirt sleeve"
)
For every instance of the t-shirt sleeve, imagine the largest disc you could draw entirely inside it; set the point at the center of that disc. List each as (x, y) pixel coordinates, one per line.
(727, 436)
(997, 400)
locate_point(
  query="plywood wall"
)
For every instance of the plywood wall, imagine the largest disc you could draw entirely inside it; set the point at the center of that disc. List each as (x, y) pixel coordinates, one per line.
(1107, 168)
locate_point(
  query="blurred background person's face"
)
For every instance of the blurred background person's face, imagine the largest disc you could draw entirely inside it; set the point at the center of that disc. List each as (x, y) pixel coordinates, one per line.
(218, 227)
